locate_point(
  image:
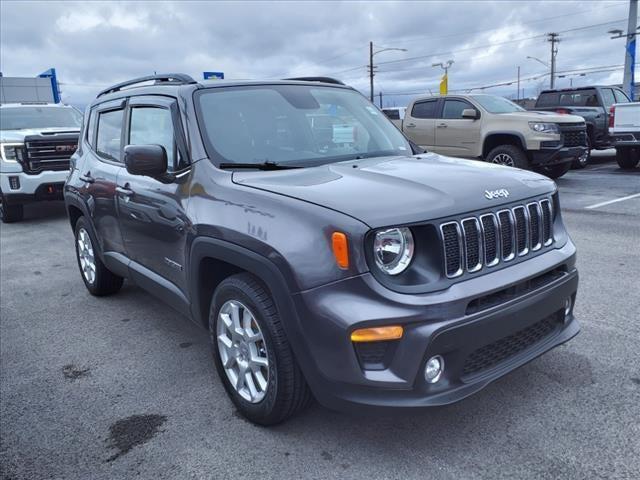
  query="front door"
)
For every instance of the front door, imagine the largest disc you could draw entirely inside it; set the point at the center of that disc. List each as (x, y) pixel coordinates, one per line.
(153, 210)
(457, 136)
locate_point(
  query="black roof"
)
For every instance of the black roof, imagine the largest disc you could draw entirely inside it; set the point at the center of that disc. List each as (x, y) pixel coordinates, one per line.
(572, 89)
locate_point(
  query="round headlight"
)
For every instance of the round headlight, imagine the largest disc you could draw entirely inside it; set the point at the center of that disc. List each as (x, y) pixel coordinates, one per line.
(393, 250)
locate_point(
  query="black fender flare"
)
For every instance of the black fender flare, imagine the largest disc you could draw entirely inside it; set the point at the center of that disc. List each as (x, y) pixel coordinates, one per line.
(513, 133)
(265, 270)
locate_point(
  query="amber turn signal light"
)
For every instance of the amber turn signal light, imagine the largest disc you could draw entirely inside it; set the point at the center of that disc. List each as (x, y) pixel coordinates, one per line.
(377, 334)
(340, 249)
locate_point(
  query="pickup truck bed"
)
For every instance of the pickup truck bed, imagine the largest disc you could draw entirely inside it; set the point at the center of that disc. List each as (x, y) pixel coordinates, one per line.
(624, 130)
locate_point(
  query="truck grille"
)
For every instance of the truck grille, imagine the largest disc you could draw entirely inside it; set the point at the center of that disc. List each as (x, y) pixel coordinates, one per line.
(48, 153)
(496, 352)
(478, 242)
(573, 135)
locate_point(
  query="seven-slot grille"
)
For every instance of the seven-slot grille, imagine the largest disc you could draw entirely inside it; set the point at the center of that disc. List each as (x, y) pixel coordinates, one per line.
(49, 154)
(491, 238)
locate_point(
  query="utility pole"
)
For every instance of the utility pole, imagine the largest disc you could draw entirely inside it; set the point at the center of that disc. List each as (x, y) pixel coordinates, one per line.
(518, 91)
(371, 71)
(554, 40)
(380, 94)
(628, 82)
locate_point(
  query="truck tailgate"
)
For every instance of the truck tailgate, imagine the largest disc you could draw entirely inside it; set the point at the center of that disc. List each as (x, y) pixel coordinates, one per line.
(627, 117)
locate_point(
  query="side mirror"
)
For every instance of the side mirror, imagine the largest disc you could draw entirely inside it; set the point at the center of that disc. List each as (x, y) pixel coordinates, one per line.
(149, 160)
(471, 113)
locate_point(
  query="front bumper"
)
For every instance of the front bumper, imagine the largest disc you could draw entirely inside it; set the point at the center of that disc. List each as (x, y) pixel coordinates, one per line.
(438, 323)
(555, 156)
(47, 185)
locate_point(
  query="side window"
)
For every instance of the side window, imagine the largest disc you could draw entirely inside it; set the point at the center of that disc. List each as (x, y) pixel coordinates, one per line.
(109, 134)
(392, 114)
(607, 97)
(153, 126)
(88, 133)
(453, 108)
(424, 109)
(621, 97)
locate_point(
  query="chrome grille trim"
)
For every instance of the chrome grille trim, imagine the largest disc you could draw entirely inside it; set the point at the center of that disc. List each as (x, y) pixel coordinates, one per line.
(547, 221)
(511, 254)
(524, 249)
(491, 261)
(476, 251)
(486, 240)
(535, 220)
(460, 260)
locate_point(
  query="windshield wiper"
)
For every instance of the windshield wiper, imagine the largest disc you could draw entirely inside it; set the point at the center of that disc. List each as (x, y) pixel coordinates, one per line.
(259, 165)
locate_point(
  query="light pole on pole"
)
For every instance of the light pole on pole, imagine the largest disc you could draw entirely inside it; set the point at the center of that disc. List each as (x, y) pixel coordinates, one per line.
(371, 67)
(445, 66)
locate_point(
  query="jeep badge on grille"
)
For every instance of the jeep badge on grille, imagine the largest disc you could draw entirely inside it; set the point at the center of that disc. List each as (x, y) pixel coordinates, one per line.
(491, 194)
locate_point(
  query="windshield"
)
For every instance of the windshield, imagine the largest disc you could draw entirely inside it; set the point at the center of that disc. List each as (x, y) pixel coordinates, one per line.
(493, 104)
(16, 118)
(295, 124)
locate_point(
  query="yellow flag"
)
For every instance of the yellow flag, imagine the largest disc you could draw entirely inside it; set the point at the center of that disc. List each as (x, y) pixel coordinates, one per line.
(444, 85)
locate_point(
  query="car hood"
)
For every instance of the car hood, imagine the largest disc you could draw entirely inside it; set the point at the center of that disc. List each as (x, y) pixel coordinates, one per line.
(388, 191)
(7, 136)
(535, 116)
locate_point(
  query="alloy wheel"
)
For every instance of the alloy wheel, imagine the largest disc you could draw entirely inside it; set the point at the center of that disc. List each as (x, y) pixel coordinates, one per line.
(243, 351)
(86, 256)
(503, 159)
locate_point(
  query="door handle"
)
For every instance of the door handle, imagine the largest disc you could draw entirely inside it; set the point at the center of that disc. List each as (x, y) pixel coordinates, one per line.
(87, 178)
(124, 191)
(410, 125)
(442, 125)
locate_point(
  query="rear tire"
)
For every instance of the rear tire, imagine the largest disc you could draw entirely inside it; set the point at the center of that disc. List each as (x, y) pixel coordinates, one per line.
(247, 335)
(10, 213)
(98, 279)
(628, 157)
(556, 171)
(509, 155)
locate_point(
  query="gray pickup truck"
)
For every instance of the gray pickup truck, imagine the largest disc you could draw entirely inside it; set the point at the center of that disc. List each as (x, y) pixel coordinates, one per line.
(591, 103)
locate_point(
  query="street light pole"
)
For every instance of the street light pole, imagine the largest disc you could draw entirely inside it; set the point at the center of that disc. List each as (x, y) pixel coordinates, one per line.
(371, 71)
(372, 67)
(445, 67)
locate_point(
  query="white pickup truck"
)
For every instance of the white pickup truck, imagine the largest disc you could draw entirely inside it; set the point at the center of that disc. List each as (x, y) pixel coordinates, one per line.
(624, 129)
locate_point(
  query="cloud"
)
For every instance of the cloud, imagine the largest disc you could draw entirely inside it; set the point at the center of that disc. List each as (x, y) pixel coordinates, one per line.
(94, 44)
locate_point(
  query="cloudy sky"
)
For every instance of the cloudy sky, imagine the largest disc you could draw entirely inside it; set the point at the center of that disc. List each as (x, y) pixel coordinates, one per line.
(95, 44)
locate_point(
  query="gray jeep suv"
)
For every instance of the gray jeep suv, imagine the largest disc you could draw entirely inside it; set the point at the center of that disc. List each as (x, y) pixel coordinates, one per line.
(327, 256)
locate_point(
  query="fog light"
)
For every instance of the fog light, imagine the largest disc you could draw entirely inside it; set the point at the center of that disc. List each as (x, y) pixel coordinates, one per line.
(434, 368)
(568, 303)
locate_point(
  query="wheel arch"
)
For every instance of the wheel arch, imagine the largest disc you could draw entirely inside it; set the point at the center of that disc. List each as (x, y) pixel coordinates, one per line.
(495, 139)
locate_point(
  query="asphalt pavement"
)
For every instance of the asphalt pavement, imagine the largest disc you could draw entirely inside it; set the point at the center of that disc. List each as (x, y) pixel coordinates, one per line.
(121, 387)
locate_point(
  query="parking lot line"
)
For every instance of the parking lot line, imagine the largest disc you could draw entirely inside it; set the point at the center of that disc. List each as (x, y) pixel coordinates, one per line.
(615, 200)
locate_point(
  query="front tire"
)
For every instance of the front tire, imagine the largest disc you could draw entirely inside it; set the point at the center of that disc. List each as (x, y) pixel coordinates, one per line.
(10, 213)
(583, 160)
(509, 155)
(98, 279)
(556, 171)
(628, 157)
(252, 354)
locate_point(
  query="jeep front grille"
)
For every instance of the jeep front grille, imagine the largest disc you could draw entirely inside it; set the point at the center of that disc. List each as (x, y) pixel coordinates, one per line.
(475, 243)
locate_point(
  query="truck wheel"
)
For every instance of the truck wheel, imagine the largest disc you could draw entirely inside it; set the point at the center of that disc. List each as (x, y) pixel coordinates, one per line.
(556, 171)
(10, 213)
(97, 278)
(583, 160)
(509, 155)
(252, 354)
(627, 157)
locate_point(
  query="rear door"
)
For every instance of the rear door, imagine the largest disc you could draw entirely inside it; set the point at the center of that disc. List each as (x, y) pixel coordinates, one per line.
(100, 171)
(153, 210)
(419, 123)
(457, 136)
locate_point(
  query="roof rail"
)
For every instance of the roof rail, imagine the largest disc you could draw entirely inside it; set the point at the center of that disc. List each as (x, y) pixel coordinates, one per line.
(170, 78)
(317, 79)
